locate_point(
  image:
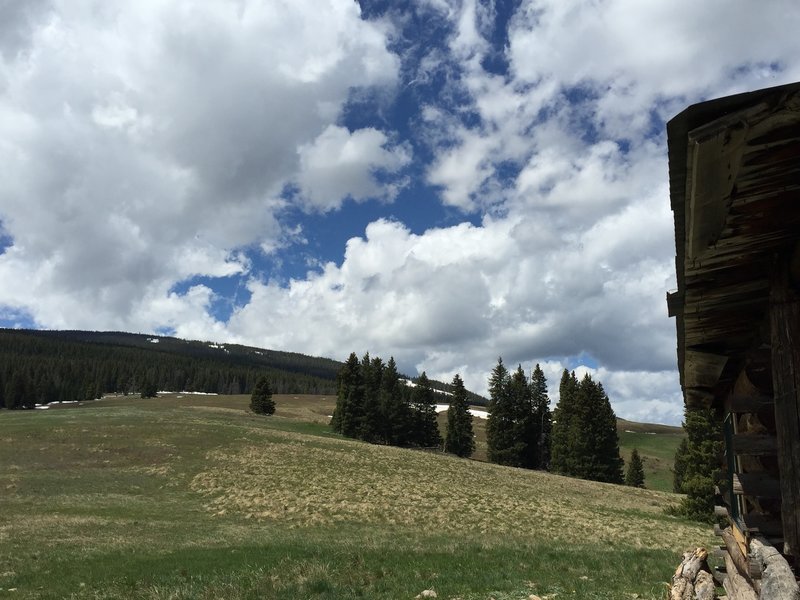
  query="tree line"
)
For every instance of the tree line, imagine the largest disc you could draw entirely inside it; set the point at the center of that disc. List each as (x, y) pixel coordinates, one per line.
(372, 404)
(578, 439)
(43, 369)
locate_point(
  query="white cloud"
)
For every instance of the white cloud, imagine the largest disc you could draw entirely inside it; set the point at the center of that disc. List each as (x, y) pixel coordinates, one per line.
(143, 143)
(146, 143)
(339, 164)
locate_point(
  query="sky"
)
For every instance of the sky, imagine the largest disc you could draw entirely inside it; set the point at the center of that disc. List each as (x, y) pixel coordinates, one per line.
(441, 181)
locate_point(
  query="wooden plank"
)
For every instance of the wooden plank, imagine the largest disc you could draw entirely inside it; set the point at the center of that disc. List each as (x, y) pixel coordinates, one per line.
(784, 312)
(754, 444)
(702, 369)
(746, 404)
(759, 485)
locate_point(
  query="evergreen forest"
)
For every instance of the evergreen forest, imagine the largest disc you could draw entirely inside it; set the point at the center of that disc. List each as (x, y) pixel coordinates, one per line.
(376, 405)
(580, 439)
(42, 367)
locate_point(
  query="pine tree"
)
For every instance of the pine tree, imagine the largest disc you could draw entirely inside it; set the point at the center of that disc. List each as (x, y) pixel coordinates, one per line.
(701, 468)
(500, 426)
(519, 425)
(605, 447)
(148, 389)
(540, 423)
(397, 412)
(460, 440)
(585, 439)
(681, 463)
(16, 392)
(373, 425)
(564, 428)
(349, 406)
(426, 427)
(261, 401)
(634, 476)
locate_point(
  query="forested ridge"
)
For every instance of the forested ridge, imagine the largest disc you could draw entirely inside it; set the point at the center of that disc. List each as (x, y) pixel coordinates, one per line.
(41, 367)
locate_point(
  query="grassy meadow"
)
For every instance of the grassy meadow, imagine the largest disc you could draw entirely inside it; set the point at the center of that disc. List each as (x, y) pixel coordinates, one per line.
(194, 497)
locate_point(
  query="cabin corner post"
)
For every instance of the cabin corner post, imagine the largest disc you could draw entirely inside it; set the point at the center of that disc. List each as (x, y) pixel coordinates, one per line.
(784, 316)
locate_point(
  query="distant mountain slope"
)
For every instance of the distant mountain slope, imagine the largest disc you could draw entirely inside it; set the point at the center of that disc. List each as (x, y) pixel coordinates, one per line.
(40, 367)
(324, 368)
(632, 427)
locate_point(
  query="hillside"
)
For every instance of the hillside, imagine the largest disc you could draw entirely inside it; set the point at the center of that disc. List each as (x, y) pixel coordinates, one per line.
(657, 445)
(194, 497)
(59, 366)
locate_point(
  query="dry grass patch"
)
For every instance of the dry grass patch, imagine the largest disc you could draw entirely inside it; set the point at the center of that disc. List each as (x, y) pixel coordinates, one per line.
(306, 481)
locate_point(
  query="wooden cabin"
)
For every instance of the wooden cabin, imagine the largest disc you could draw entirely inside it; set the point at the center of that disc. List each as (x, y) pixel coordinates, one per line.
(734, 166)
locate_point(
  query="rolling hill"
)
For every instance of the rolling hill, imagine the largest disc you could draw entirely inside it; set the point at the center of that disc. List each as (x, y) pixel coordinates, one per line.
(192, 496)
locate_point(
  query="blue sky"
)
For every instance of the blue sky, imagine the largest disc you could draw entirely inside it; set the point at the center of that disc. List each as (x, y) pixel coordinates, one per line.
(443, 181)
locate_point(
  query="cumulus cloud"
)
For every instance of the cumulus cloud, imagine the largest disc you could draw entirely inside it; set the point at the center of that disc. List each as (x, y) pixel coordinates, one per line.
(143, 143)
(147, 144)
(339, 164)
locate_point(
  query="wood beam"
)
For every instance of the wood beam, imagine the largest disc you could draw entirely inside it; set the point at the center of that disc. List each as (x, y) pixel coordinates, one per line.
(784, 311)
(759, 485)
(754, 444)
(748, 404)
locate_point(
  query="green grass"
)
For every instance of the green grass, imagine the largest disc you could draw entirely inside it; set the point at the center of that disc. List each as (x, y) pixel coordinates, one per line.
(658, 455)
(195, 498)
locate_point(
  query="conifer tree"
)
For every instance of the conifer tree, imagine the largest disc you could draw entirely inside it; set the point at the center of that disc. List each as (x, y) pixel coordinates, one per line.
(538, 454)
(519, 425)
(348, 413)
(17, 393)
(398, 419)
(373, 425)
(602, 421)
(701, 468)
(681, 463)
(500, 426)
(148, 389)
(634, 475)
(426, 427)
(585, 439)
(261, 401)
(460, 439)
(564, 429)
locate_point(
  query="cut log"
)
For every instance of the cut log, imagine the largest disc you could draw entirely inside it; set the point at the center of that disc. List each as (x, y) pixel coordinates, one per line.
(683, 582)
(735, 555)
(721, 511)
(704, 588)
(736, 586)
(681, 590)
(695, 562)
(777, 579)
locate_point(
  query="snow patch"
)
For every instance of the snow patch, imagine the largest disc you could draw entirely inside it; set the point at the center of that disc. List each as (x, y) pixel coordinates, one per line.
(475, 412)
(410, 383)
(153, 340)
